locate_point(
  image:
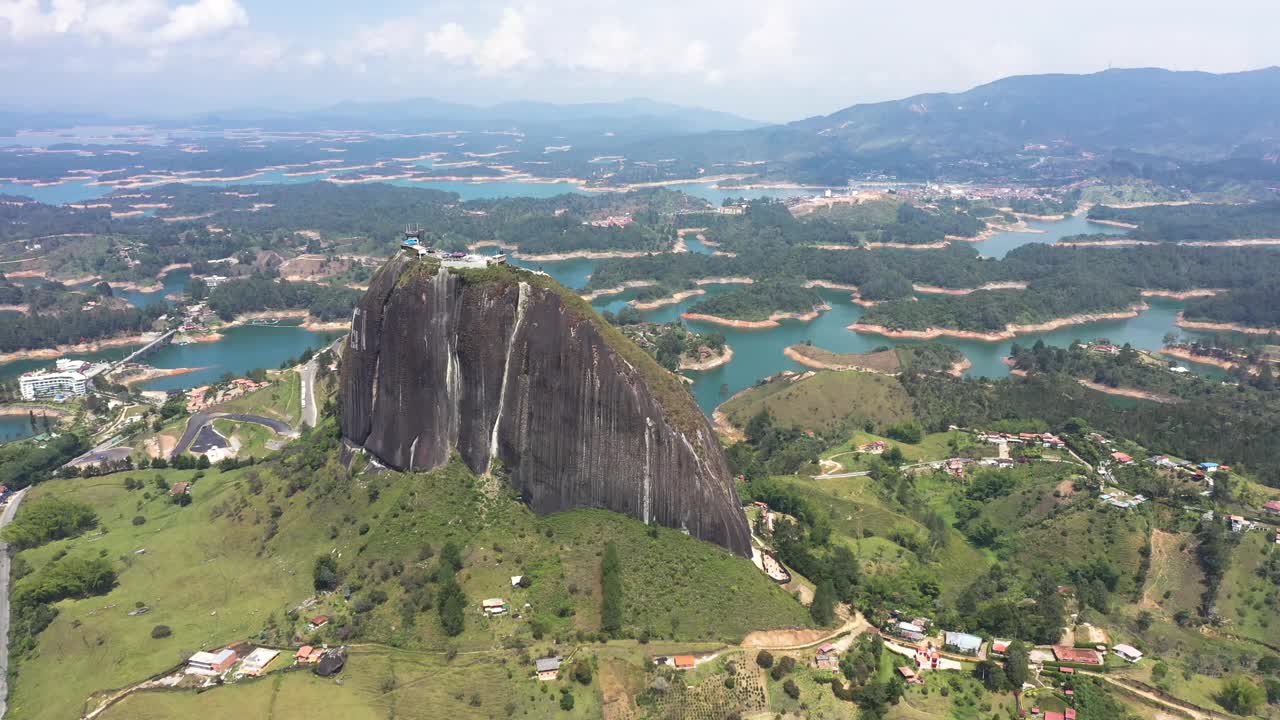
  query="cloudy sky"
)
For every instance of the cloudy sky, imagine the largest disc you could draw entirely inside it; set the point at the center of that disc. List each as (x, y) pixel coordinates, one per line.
(766, 59)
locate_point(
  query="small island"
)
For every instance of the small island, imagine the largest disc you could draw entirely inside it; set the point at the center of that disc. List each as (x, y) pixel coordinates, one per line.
(1254, 311)
(674, 346)
(923, 357)
(994, 315)
(760, 306)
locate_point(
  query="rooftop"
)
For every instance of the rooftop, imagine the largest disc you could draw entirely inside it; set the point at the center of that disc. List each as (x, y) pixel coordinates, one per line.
(964, 641)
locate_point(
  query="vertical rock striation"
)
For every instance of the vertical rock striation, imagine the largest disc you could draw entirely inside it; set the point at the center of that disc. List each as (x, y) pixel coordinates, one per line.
(501, 366)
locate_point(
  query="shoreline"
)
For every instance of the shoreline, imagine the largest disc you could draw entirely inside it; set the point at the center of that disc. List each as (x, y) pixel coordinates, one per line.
(1113, 223)
(675, 299)
(960, 367)
(711, 364)
(92, 346)
(1186, 324)
(827, 285)
(18, 410)
(156, 373)
(1010, 332)
(791, 352)
(771, 322)
(1199, 359)
(935, 290)
(309, 322)
(581, 255)
(1236, 242)
(724, 428)
(618, 289)
(728, 280)
(1183, 294)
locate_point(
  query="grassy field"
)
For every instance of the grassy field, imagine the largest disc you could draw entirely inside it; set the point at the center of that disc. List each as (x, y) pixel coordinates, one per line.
(951, 695)
(1175, 581)
(248, 529)
(281, 401)
(829, 401)
(1247, 599)
(864, 521)
(378, 683)
(933, 446)
(253, 438)
(190, 571)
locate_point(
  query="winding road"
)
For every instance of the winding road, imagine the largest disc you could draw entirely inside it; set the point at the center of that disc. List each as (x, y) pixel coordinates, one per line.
(200, 420)
(9, 511)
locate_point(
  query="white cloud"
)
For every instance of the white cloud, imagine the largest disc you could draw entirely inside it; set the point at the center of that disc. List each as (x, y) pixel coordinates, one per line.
(125, 22)
(771, 43)
(502, 49)
(313, 58)
(203, 17)
(452, 42)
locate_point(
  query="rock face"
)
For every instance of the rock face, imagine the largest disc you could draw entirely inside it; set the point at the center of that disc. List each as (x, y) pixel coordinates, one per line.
(502, 367)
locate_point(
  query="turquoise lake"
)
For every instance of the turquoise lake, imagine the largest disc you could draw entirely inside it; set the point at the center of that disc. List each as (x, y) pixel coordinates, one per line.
(759, 353)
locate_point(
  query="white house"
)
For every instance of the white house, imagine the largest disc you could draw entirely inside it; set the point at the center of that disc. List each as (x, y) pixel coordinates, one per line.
(1128, 652)
(258, 661)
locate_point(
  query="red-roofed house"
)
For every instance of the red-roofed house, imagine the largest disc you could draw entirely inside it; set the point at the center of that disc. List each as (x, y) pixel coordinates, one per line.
(1079, 656)
(1070, 714)
(1272, 507)
(1122, 458)
(319, 621)
(1052, 715)
(684, 662)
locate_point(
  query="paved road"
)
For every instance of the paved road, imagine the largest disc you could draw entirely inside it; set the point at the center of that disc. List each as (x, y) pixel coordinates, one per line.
(10, 510)
(199, 420)
(309, 412)
(95, 457)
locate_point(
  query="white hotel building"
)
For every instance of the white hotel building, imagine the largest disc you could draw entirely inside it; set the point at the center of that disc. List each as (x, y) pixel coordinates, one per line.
(42, 384)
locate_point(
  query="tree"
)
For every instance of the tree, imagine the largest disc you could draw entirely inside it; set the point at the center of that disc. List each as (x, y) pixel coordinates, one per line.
(823, 606)
(764, 659)
(566, 701)
(893, 456)
(453, 603)
(324, 574)
(451, 555)
(1240, 695)
(791, 689)
(1016, 658)
(759, 426)
(582, 672)
(611, 590)
(992, 676)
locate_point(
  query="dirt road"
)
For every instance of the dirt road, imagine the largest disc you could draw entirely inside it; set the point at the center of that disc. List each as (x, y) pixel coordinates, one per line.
(800, 639)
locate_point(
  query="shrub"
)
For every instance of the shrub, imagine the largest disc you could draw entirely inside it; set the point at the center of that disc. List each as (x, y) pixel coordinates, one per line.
(47, 520)
(139, 520)
(791, 689)
(324, 576)
(611, 590)
(161, 631)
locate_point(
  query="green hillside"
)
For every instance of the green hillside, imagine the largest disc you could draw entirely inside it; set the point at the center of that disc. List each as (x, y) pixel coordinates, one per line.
(825, 400)
(234, 563)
